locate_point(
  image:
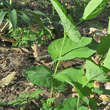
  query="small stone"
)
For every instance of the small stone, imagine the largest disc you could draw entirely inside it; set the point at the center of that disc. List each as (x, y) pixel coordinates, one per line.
(12, 88)
(1, 108)
(0, 90)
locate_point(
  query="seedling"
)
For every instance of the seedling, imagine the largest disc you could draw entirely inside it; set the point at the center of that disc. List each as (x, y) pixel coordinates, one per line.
(72, 46)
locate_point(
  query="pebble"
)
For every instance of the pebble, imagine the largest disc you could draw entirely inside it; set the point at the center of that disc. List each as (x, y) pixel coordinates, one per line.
(12, 88)
(0, 90)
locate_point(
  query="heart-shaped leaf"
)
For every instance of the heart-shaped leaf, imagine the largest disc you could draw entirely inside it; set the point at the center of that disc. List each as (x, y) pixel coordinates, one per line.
(68, 25)
(71, 49)
(40, 75)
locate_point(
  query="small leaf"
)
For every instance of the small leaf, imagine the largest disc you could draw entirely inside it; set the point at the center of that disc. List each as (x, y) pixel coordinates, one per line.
(13, 18)
(93, 104)
(40, 75)
(68, 25)
(8, 79)
(93, 72)
(104, 45)
(25, 18)
(2, 15)
(106, 62)
(101, 91)
(93, 8)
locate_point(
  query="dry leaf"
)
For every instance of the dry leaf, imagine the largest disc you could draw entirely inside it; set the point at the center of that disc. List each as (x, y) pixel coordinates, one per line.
(36, 50)
(97, 84)
(103, 97)
(107, 85)
(8, 79)
(67, 63)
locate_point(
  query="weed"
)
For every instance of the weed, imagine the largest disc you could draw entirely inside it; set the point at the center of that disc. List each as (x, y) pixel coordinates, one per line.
(27, 37)
(72, 46)
(25, 98)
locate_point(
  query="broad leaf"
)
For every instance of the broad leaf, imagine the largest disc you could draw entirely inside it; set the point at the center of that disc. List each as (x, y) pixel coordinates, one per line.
(101, 91)
(40, 75)
(93, 104)
(71, 49)
(13, 18)
(84, 52)
(2, 14)
(104, 45)
(106, 62)
(75, 78)
(93, 8)
(82, 108)
(69, 27)
(69, 104)
(93, 72)
(24, 17)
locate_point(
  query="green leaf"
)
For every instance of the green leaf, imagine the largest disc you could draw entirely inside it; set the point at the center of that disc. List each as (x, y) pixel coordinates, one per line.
(75, 78)
(93, 8)
(101, 91)
(93, 72)
(35, 93)
(104, 45)
(84, 52)
(40, 75)
(71, 49)
(2, 15)
(106, 62)
(69, 27)
(38, 20)
(13, 18)
(93, 104)
(82, 108)
(25, 18)
(69, 104)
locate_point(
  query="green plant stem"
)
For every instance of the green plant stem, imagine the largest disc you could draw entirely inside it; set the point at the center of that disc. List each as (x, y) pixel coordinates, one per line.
(85, 83)
(10, 2)
(79, 22)
(103, 102)
(57, 68)
(51, 95)
(53, 11)
(78, 102)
